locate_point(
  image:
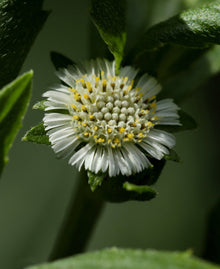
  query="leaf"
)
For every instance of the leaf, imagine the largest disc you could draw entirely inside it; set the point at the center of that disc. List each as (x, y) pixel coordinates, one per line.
(14, 99)
(109, 18)
(113, 189)
(40, 105)
(20, 22)
(169, 48)
(115, 258)
(60, 61)
(139, 189)
(95, 180)
(188, 123)
(194, 28)
(172, 156)
(37, 134)
(184, 84)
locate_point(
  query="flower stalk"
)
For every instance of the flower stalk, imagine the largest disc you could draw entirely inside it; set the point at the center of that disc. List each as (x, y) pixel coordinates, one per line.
(83, 211)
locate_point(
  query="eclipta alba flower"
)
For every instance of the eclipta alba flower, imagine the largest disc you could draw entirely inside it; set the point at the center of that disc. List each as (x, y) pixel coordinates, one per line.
(107, 122)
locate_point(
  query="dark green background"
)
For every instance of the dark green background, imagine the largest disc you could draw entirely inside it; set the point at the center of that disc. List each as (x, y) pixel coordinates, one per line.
(35, 187)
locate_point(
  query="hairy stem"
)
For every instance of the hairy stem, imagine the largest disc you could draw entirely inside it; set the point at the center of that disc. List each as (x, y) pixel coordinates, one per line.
(81, 216)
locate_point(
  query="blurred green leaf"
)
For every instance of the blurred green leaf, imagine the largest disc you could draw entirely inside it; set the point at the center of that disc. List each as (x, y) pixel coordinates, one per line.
(184, 84)
(173, 156)
(14, 99)
(60, 61)
(188, 123)
(193, 3)
(95, 180)
(109, 18)
(20, 22)
(37, 134)
(115, 258)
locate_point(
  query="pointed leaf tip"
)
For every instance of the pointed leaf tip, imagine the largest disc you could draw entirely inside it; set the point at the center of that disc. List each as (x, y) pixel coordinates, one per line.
(38, 135)
(95, 180)
(60, 61)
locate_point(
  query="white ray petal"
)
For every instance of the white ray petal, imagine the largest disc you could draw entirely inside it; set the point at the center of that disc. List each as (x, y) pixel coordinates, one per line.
(80, 154)
(162, 137)
(129, 72)
(123, 165)
(113, 165)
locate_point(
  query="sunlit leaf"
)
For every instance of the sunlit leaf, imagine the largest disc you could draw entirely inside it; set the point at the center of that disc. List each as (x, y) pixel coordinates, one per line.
(141, 189)
(129, 259)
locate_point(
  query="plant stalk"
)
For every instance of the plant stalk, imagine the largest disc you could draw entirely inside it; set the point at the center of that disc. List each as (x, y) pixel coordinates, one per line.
(81, 216)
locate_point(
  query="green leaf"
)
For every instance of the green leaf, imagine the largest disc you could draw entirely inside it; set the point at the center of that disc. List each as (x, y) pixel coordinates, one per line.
(95, 180)
(37, 134)
(173, 156)
(188, 123)
(20, 22)
(60, 61)
(113, 189)
(194, 28)
(184, 84)
(109, 18)
(170, 47)
(40, 105)
(139, 188)
(14, 99)
(115, 258)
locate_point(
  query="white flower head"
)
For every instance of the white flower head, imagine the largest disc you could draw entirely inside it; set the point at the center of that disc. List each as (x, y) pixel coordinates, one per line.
(106, 122)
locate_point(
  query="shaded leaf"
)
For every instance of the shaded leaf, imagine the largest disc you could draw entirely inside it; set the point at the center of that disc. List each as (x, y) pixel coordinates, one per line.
(194, 28)
(173, 156)
(212, 242)
(188, 123)
(109, 18)
(20, 22)
(37, 134)
(60, 61)
(184, 84)
(169, 49)
(14, 99)
(113, 190)
(95, 180)
(115, 258)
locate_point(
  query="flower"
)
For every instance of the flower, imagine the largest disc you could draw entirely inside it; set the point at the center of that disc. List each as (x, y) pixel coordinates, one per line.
(107, 122)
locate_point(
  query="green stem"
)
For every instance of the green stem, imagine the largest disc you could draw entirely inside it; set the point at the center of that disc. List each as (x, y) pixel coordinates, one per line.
(78, 224)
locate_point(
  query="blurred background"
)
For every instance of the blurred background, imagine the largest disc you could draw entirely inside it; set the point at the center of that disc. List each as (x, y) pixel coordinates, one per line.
(35, 187)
